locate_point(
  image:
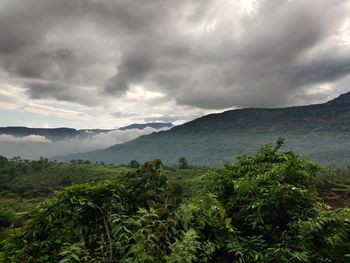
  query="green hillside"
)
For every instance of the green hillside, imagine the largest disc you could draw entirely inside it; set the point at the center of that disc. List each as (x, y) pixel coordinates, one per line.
(320, 131)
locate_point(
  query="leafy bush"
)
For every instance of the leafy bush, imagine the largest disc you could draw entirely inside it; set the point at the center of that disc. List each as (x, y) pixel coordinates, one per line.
(75, 215)
(185, 249)
(7, 218)
(183, 163)
(134, 164)
(262, 208)
(271, 198)
(82, 216)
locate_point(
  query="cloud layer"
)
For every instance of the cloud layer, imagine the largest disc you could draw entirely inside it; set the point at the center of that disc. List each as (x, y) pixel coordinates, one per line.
(34, 146)
(30, 138)
(129, 60)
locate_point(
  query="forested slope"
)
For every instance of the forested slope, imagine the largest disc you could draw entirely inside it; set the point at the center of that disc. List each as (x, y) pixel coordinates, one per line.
(320, 131)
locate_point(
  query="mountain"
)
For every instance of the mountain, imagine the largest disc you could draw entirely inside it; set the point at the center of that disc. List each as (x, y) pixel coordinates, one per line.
(53, 134)
(320, 131)
(58, 134)
(154, 125)
(32, 143)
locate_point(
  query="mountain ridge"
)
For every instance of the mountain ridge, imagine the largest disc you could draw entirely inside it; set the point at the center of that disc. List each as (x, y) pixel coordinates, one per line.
(321, 131)
(141, 126)
(62, 133)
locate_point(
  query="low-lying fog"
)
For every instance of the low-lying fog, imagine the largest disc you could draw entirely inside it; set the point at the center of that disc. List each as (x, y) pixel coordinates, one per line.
(33, 147)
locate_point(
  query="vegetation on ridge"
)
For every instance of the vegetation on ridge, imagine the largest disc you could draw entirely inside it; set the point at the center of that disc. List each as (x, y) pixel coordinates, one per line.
(321, 132)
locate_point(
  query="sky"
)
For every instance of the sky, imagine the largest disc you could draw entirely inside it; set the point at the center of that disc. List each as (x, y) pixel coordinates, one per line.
(109, 63)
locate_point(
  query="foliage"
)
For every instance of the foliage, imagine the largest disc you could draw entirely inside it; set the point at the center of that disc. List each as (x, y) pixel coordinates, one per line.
(134, 164)
(328, 234)
(31, 179)
(185, 249)
(183, 163)
(75, 215)
(268, 190)
(7, 217)
(262, 208)
(82, 215)
(267, 196)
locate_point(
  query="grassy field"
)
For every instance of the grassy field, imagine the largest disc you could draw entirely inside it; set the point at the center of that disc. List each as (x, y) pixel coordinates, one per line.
(27, 190)
(190, 178)
(20, 204)
(54, 177)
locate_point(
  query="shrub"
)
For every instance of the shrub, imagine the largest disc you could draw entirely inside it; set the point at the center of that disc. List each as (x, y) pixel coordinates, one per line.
(263, 208)
(271, 197)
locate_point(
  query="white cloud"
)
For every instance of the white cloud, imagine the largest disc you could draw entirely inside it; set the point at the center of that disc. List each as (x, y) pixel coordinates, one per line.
(33, 146)
(30, 138)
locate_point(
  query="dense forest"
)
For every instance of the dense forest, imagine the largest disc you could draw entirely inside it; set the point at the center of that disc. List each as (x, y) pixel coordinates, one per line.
(273, 206)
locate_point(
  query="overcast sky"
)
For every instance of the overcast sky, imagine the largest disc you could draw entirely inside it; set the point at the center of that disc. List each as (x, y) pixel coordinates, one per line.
(108, 63)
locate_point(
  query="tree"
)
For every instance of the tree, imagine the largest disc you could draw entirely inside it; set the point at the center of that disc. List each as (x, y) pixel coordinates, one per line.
(183, 163)
(272, 200)
(3, 161)
(134, 164)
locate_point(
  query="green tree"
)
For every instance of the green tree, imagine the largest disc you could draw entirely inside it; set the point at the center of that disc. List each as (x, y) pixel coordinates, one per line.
(183, 164)
(134, 164)
(3, 161)
(272, 201)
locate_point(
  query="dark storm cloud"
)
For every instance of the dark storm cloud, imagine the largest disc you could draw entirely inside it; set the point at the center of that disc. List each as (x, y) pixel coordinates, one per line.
(133, 69)
(41, 89)
(205, 54)
(44, 64)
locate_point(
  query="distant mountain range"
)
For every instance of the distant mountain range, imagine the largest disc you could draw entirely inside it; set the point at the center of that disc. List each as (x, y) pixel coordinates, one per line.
(320, 131)
(154, 125)
(58, 134)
